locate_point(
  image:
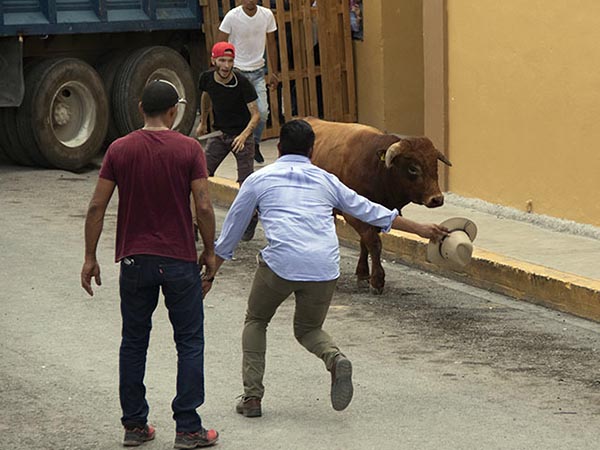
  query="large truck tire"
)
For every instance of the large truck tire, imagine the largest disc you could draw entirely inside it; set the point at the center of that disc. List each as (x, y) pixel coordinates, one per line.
(107, 68)
(10, 140)
(5, 142)
(64, 114)
(3, 156)
(141, 67)
(9, 137)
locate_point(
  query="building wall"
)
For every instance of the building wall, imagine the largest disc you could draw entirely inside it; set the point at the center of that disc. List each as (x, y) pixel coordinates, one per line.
(524, 104)
(389, 66)
(368, 62)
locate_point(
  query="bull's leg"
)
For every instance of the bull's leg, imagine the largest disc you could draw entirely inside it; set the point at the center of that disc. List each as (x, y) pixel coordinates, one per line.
(362, 268)
(370, 243)
(373, 243)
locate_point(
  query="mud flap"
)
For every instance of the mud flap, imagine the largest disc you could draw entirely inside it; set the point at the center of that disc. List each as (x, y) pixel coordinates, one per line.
(12, 85)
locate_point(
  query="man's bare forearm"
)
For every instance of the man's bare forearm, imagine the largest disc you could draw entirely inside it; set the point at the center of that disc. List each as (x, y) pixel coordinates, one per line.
(403, 224)
(205, 218)
(222, 36)
(272, 54)
(94, 224)
(219, 262)
(425, 230)
(254, 118)
(94, 220)
(205, 107)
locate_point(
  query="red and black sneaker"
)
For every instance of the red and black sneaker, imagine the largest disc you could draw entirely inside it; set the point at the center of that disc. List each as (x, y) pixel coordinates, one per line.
(138, 435)
(202, 438)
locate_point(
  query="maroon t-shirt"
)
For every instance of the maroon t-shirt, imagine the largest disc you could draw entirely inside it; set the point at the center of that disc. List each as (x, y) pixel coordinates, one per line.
(153, 171)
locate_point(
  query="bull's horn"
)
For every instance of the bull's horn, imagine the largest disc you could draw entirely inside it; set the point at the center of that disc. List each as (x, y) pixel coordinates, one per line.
(443, 158)
(394, 150)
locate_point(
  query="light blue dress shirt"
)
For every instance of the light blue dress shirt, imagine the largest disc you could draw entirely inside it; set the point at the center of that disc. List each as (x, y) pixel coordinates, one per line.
(295, 200)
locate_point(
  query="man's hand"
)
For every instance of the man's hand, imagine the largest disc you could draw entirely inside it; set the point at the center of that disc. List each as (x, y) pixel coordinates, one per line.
(90, 269)
(425, 230)
(206, 286)
(432, 231)
(273, 81)
(207, 260)
(202, 129)
(238, 143)
(94, 221)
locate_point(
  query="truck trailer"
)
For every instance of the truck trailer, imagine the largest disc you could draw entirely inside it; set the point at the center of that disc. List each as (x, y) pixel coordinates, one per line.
(72, 72)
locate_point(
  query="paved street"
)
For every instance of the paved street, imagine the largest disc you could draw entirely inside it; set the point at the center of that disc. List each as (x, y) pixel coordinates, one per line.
(437, 364)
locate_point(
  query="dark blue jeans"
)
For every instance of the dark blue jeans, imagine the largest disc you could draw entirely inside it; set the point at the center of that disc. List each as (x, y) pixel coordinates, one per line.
(140, 280)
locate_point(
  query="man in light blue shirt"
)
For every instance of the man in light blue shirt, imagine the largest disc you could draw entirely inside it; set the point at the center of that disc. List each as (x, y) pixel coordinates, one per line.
(295, 201)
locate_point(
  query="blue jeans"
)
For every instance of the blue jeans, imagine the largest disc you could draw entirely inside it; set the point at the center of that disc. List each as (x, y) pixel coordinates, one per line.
(257, 78)
(141, 278)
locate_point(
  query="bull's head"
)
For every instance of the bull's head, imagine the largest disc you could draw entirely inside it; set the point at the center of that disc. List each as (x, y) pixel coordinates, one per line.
(413, 162)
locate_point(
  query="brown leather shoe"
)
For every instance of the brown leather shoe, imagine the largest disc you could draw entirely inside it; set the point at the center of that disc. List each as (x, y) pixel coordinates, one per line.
(341, 383)
(249, 407)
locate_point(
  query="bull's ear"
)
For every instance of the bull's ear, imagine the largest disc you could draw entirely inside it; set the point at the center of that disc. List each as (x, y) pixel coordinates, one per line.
(443, 158)
(381, 154)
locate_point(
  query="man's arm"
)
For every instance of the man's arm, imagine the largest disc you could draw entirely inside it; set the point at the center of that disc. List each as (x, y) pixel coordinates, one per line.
(272, 61)
(425, 230)
(238, 142)
(220, 262)
(94, 223)
(205, 107)
(222, 36)
(205, 217)
(377, 215)
(236, 221)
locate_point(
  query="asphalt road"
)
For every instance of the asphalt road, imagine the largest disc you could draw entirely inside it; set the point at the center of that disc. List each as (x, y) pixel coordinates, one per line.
(437, 364)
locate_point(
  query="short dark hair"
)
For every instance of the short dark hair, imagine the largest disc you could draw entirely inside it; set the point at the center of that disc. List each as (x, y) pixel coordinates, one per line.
(158, 97)
(296, 137)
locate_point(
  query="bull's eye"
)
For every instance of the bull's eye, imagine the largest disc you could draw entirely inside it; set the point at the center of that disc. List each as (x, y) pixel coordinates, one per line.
(414, 171)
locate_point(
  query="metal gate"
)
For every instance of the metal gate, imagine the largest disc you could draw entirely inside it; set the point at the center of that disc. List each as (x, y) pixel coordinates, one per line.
(316, 66)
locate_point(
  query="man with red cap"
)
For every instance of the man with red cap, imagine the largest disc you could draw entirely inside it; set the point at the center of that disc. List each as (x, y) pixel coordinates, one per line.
(235, 111)
(249, 26)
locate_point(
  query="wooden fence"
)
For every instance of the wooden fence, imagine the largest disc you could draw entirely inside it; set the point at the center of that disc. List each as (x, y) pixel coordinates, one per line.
(316, 66)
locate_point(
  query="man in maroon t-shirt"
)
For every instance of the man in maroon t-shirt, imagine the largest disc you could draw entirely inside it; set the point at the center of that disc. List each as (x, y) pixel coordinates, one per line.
(155, 169)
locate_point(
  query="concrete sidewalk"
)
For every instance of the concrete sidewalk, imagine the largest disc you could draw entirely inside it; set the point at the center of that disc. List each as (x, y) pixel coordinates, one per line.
(557, 269)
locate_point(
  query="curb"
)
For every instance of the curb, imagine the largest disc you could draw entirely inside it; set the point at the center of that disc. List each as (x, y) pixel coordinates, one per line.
(551, 288)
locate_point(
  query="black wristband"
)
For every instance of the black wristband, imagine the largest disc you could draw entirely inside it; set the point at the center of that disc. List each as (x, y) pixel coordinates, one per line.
(210, 280)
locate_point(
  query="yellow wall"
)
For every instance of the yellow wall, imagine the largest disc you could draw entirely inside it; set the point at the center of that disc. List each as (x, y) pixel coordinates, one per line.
(368, 54)
(389, 66)
(524, 104)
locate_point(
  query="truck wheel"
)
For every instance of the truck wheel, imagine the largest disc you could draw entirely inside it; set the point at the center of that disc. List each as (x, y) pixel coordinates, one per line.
(64, 114)
(3, 156)
(141, 67)
(107, 69)
(10, 139)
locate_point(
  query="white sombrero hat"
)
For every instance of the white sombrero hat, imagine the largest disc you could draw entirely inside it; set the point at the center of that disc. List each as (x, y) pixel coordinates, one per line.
(454, 250)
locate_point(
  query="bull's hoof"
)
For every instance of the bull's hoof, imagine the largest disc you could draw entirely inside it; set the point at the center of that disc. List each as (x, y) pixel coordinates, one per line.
(376, 291)
(362, 283)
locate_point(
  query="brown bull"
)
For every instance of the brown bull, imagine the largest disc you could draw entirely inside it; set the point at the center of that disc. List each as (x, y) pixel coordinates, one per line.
(388, 169)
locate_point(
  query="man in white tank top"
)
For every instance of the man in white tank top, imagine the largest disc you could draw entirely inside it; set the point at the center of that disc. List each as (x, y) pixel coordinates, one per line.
(248, 27)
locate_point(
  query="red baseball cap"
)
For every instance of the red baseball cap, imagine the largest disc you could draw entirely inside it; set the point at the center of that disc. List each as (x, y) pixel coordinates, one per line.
(222, 49)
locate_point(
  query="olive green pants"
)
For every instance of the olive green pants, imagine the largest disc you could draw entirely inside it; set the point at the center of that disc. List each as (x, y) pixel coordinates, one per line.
(268, 292)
